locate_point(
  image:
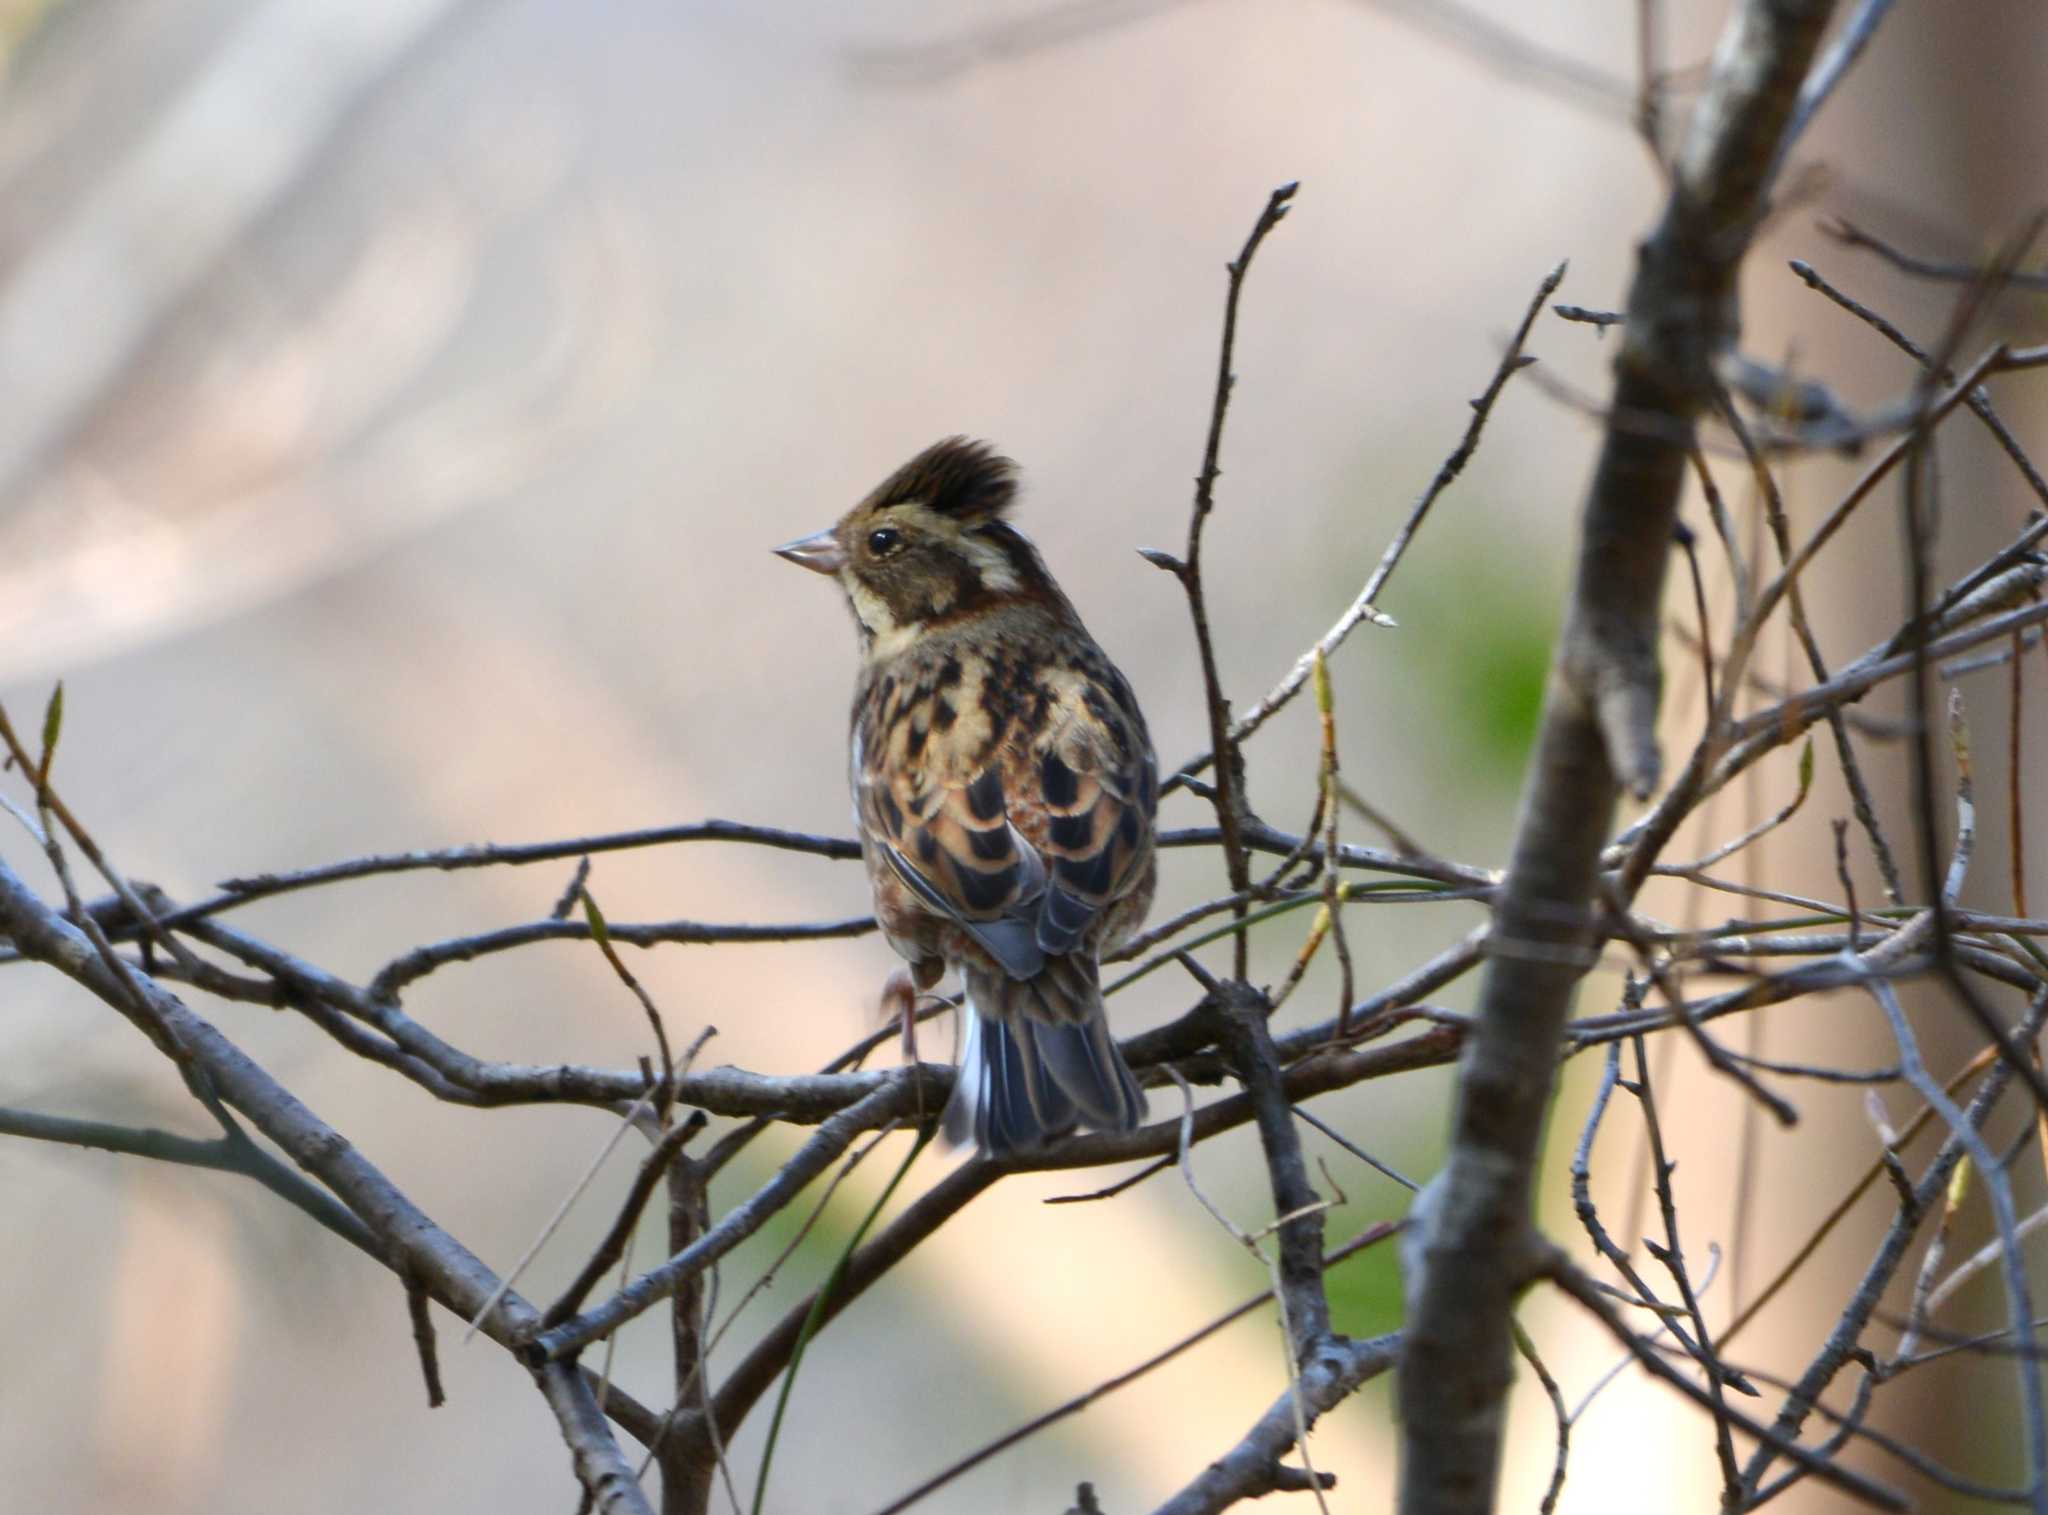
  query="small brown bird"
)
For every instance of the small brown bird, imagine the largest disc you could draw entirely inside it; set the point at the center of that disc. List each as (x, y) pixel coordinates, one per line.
(1004, 788)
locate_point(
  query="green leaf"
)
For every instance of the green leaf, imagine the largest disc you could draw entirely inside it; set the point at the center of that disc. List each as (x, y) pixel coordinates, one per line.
(1806, 768)
(595, 916)
(53, 727)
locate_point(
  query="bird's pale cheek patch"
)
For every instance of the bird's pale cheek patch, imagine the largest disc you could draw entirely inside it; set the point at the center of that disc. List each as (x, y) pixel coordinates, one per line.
(886, 636)
(870, 609)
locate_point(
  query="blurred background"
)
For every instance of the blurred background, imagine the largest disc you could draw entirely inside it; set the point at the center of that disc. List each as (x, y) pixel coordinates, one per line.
(402, 396)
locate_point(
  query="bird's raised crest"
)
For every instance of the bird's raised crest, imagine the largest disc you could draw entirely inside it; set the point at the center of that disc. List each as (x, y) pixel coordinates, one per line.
(961, 478)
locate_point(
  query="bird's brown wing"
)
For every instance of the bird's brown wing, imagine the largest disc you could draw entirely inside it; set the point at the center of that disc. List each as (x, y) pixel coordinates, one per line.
(1022, 834)
(928, 788)
(1088, 790)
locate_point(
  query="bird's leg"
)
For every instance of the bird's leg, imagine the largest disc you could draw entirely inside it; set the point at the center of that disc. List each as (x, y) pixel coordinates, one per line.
(901, 992)
(899, 1004)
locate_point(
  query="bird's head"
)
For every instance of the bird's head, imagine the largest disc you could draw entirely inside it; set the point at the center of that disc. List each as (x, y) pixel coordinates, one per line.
(929, 546)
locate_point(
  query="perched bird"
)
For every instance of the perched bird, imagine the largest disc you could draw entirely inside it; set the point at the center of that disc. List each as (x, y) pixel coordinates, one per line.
(1004, 789)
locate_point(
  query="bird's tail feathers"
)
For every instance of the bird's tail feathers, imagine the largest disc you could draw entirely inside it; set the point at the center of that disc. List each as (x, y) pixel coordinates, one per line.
(1037, 1060)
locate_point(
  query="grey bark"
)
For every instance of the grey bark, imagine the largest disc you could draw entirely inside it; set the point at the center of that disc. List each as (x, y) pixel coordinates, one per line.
(412, 1244)
(1473, 1247)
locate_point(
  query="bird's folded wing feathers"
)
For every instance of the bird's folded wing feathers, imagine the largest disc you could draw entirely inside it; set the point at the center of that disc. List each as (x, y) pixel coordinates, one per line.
(951, 839)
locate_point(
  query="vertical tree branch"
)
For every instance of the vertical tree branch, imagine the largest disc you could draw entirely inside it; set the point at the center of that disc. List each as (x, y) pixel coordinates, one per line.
(1248, 1044)
(686, 1470)
(1230, 806)
(1474, 1247)
(607, 1478)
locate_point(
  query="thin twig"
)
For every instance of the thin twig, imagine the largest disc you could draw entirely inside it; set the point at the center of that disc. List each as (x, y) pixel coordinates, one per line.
(1977, 400)
(255, 886)
(1997, 1188)
(1850, 235)
(1861, 804)
(1672, 1255)
(554, 1222)
(1582, 1288)
(600, 932)
(1829, 72)
(1366, 1238)
(832, 1138)
(416, 964)
(419, 1306)
(1231, 810)
(1363, 608)
(1841, 1343)
(653, 1168)
(1334, 891)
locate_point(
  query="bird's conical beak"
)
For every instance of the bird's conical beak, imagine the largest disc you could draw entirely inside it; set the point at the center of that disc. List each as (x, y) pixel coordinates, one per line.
(818, 552)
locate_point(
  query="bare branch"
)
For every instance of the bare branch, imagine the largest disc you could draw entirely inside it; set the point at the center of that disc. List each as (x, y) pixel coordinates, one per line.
(1253, 1466)
(1833, 67)
(231, 1153)
(1581, 1288)
(1473, 1247)
(893, 1099)
(1363, 608)
(1841, 1345)
(1924, 268)
(256, 886)
(601, 1468)
(411, 1243)
(1368, 1237)
(1231, 810)
(421, 961)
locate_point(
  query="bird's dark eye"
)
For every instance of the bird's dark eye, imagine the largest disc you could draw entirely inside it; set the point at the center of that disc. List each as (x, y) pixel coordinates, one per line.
(885, 541)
